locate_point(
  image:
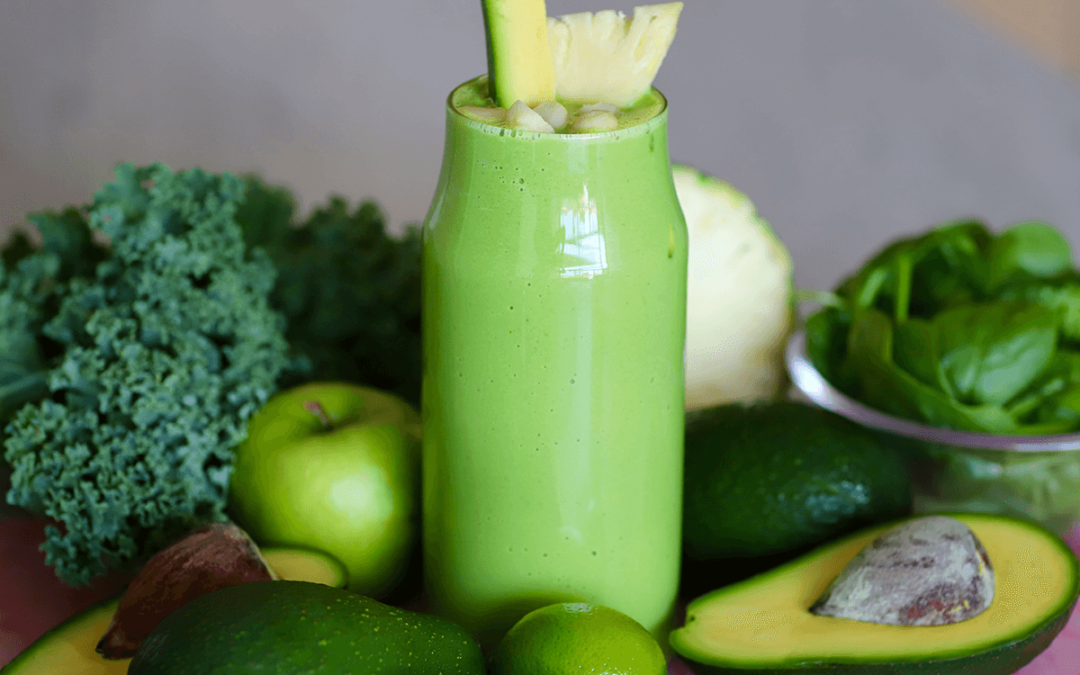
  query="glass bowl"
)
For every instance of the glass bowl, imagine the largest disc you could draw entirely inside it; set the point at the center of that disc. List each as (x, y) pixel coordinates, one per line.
(1032, 477)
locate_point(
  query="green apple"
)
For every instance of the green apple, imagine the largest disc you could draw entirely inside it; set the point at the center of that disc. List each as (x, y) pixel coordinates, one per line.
(334, 467)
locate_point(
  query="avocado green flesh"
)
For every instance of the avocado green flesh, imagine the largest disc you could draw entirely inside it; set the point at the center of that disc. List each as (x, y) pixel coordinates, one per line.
(288, 627)
(763, 626)
(70, 647)
(301, 564)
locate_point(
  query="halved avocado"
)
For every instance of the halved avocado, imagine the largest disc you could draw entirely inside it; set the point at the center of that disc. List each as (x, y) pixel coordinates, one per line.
(763, 626)
(69, 649)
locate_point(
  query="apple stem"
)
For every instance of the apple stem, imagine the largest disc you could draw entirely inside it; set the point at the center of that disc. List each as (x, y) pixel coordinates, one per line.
(315, 408)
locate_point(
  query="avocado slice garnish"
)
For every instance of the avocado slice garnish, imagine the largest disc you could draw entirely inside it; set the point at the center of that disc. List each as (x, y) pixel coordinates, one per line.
(520, 67)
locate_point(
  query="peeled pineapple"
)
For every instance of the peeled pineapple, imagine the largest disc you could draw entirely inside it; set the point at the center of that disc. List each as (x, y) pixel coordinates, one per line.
(607, 57)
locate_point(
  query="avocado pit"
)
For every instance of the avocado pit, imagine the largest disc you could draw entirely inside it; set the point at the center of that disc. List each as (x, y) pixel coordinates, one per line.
(929, 571)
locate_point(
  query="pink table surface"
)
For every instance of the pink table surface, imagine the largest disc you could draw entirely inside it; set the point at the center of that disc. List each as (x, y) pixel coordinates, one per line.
(32, 601)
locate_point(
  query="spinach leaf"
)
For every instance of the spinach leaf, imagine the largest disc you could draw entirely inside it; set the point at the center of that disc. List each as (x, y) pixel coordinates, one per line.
(1063, 299)
(918, 275)
(1048, 399)
(990, 352)
(915, 349)
(1061, 410)
(887, 387)
(951, 268)
(826, 346)
(1029, 249)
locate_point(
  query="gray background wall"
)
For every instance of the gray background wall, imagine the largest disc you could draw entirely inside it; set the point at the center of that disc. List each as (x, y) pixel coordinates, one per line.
(848, 122)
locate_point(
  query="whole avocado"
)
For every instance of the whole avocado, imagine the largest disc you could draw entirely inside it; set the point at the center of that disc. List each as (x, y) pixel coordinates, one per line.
(768, 481)
(294, 628)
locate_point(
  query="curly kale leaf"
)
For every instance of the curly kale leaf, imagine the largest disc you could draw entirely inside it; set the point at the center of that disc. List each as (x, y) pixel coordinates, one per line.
(349, 289)
(31, 287)
(166, 351)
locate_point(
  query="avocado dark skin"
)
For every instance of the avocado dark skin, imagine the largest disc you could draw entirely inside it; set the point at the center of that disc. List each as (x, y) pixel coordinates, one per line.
(297, 628)
(768, 482)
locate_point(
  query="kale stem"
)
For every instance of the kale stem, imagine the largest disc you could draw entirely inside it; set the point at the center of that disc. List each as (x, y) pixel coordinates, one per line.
(315, 408)
(903, 287)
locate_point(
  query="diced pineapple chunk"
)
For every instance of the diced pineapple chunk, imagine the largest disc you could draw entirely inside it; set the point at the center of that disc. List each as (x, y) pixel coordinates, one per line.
(490, 115)
(521, 116)
(553, 112)
(594, 121)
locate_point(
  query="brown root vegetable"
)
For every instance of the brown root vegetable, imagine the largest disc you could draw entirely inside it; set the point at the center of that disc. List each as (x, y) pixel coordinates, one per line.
(928, 571)
(213, 557)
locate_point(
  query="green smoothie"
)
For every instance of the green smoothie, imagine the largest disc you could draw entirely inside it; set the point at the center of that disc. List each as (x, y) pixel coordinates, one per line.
(554, 313)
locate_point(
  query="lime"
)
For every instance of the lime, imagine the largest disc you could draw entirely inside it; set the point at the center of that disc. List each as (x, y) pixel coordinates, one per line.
(579, 638)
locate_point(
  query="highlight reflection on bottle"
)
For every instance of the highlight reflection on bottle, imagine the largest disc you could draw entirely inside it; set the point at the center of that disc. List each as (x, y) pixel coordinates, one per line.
(554, 271)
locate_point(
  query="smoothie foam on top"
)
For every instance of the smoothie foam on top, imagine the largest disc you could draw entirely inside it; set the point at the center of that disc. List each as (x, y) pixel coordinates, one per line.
(472, 100)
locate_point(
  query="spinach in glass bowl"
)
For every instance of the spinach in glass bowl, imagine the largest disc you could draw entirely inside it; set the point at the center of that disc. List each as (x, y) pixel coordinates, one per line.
(966, 343)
